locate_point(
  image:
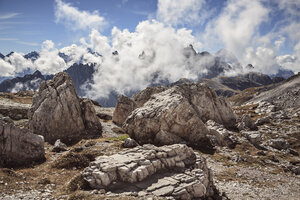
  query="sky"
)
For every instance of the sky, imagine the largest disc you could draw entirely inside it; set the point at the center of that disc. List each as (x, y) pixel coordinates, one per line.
(149, 36)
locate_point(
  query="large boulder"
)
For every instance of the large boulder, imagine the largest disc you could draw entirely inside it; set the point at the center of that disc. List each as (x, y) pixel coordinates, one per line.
(168, 171)
(58, 113)
(177, 115)
(126, 105)
(19, 147)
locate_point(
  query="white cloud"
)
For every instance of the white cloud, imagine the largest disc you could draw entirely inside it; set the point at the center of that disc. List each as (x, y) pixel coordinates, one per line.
(6, 69)
(19, 62)
(49, 61)
(8, 15)
(181, 12)
(75, 19)
(237, 25)
(153, 49)
(80, 54)
(31, 85)
(263, 59)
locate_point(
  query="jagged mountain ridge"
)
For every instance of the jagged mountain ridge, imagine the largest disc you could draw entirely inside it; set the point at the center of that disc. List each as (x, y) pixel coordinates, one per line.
(216, 66)
(27, 82)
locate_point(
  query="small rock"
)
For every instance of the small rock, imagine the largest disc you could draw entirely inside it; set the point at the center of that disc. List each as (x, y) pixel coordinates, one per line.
(274, 159)
(279, 143)
(262, 121)
(237, 158)
(254, 137)
(129, 143)
(293, 152)
(59, 146)
(261, 153)
(246, 123)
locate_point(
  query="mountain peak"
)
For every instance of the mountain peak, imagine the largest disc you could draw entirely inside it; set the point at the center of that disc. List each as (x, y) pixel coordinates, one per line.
(9, 54)
(1, 56)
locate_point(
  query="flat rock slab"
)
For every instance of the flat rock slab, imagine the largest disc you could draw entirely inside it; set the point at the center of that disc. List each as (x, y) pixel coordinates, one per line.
(174, 171)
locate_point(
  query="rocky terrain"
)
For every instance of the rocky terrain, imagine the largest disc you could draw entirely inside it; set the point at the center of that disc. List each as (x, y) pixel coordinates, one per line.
(254, 145)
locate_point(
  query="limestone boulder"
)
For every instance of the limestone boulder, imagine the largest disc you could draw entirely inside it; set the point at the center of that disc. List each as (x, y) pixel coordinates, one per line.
(124, 107)
(178, 115)
(58, 113)
(173, 171)
(19, 147)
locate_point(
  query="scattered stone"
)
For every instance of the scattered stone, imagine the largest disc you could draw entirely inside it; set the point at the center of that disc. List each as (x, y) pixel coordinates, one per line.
(279, 143)
(219, 135)
(254, 137)
(129, 143)
(19, 147)
(293, 169)
(293, 152)
(262, 121)
(274, 159)
(246, 123)
(59, 146)
(174, 171)
(237, 158)
(58, 113)
(261, 153)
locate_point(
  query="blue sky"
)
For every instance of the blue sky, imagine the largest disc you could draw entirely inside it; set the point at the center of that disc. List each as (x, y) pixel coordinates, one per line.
(24, 25)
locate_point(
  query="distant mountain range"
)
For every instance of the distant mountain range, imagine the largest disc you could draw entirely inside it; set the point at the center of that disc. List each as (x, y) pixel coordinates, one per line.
(216, 66)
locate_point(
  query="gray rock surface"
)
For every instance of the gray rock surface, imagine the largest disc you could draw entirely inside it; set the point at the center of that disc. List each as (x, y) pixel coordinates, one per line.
(219, 135)
(129, 143)
(167, 171)
(177, 115)
(246, 123)
(284, 95)
(19, 147)
(254, 137)
(59, 146)
(278, 143)
(262, 121)
(124, 107)
(58, 113)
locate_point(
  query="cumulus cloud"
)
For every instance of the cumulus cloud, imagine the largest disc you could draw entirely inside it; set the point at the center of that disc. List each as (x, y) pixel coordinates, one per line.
(49, 61)
(19, 62)
(6, 69)
(80, 54)
(152, 53)
(237, 24)
(181, 12)
(75, 19)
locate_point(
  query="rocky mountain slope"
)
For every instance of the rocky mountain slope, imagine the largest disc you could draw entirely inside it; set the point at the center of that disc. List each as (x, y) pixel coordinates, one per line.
(283, 95)
(28, 82)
